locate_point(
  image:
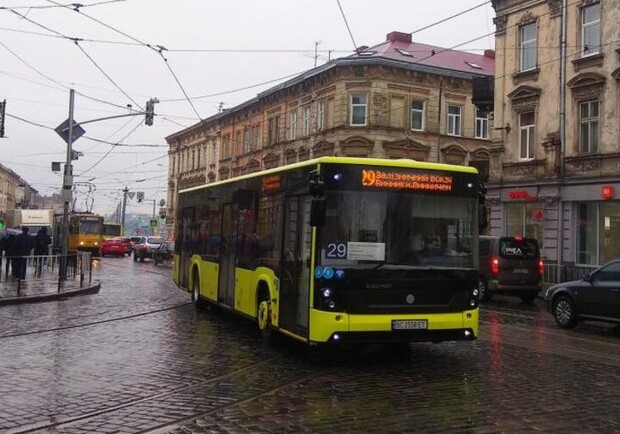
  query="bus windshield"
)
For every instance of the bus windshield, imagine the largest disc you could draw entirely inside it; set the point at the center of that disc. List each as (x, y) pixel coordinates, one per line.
(365, 229)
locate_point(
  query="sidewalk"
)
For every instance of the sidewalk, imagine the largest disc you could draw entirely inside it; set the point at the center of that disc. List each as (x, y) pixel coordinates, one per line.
(30, 291)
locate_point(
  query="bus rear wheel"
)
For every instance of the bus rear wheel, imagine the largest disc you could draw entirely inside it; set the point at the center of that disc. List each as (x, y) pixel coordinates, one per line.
(198, 302)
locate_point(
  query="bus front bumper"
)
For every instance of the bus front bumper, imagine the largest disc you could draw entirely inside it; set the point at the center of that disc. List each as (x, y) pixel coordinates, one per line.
(331, 327)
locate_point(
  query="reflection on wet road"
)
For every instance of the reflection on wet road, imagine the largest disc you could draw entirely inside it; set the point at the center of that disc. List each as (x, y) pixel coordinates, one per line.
(136, 357)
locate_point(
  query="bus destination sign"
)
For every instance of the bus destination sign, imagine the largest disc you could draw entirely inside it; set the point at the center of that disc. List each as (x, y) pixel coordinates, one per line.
(373, 178)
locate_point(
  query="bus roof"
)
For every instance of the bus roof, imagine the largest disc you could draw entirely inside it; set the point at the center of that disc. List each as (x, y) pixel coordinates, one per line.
(403, 162)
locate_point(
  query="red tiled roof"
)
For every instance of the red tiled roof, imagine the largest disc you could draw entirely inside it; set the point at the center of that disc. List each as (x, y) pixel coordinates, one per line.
(399, 46)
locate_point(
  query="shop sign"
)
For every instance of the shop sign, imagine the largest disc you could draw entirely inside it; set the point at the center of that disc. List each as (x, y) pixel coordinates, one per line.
(607, 191)
(520, 195)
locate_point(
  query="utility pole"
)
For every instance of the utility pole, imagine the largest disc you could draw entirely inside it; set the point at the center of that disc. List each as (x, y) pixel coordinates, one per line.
(125, 191)
(316, 52)
(67, 187)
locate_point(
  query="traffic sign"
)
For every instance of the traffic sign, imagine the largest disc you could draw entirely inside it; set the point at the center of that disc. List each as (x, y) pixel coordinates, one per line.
(153, 223)
(63, 131)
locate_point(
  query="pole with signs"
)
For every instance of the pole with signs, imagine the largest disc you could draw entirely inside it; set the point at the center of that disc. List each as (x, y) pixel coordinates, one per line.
(67, 186)
(2, 116)
(125, 191)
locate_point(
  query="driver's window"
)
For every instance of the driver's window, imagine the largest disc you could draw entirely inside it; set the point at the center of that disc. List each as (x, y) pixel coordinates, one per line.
(609, 273)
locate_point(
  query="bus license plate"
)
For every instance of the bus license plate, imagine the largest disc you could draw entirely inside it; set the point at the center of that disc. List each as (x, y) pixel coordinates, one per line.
(406, 324)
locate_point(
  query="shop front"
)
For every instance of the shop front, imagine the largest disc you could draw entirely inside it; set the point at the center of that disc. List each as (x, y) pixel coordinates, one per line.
(590, 226)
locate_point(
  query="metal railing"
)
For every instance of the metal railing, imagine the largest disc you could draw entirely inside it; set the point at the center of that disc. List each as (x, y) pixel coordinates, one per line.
(567, 272)
(42, 273)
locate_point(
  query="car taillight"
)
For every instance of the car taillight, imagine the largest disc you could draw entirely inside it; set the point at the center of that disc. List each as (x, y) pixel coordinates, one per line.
(143, 248)
(494, 266)
(541, 267)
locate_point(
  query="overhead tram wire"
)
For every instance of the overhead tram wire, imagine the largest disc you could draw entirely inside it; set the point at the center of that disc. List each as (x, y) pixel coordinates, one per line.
(108, 76)
(132, 145)
(157, 48)
(112, 148)
(76, 42)
(72, 5)
(458, 14)
(58, 82)
(346, 22)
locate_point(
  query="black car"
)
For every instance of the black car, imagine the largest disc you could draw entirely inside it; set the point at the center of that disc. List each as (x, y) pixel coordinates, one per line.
(595, 297)
(510, 265)
(165, 252)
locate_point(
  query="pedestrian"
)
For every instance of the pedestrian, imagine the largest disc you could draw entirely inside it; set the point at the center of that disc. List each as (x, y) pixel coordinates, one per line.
(11, 260)
(23, 244)
(41, 247)
(4, 246)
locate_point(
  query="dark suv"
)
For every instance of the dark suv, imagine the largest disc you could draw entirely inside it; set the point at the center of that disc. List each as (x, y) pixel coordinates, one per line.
(510, 265)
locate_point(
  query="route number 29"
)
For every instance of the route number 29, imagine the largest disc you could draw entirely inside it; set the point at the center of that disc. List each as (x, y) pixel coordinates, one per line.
(336, 250)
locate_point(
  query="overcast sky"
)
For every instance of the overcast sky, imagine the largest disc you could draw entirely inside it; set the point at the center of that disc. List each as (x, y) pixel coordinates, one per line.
(290, 26)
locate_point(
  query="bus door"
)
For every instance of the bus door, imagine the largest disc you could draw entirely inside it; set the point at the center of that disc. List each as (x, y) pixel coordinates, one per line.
(187, 217)
(295, 275)
(228, 254)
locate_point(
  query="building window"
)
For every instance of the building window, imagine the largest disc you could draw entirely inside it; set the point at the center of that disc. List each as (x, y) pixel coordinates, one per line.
(293, 131)
(417, 115)
(256, 139)
(305, 121)
(198, 158)
(482, 124)
(454, 120)
(246, 140)
(273, 134)
(527, 126)
(320, 118)
(588, 127)
(523, 219)
(226, 146)
(591, 30)
(527, 49)
(171, 166)
(359, 109)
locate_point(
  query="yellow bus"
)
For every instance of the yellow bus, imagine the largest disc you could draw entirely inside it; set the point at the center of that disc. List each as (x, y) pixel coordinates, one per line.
(85, 232)
(111, 230)
(338, 250)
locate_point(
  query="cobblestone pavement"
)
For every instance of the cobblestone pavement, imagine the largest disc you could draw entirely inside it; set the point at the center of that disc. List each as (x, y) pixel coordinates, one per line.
(137, 357)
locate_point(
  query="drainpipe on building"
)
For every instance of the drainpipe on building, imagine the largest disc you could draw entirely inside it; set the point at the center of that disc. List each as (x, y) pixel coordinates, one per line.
(439, 121)
(562, 94)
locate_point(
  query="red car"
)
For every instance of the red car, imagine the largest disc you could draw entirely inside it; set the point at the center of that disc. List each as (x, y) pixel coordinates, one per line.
(113, 246)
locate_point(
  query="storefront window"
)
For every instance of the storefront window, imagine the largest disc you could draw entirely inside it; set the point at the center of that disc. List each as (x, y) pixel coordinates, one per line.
(598, 232)
(525, 219)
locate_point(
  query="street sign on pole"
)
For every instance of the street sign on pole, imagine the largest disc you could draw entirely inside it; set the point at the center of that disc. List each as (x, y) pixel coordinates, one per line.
(153, 223)
(131, 194)
(63, 131)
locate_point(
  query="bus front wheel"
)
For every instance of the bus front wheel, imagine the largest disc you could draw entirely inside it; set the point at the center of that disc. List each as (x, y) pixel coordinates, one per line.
(263, 317)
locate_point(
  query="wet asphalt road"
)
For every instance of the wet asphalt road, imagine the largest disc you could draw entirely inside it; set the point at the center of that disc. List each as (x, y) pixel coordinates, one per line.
(137, 357)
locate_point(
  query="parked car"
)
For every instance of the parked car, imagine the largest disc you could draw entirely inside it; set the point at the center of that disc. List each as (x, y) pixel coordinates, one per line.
(165, 252)
(135, 240)
(146, 248)
(126, 243)
(113, 246)
(510, 265)
(595, 297)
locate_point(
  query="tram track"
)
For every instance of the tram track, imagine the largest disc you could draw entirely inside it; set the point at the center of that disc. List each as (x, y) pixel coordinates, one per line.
(73, 326)
(68, 421)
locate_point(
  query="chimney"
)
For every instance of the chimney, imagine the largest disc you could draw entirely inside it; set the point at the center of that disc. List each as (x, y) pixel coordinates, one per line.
(489, 53)
(399, 37)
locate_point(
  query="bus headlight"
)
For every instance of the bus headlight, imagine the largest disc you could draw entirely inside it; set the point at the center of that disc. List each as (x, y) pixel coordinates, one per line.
(81, 243)
(327, 292)
(96, 243)
(475, 292)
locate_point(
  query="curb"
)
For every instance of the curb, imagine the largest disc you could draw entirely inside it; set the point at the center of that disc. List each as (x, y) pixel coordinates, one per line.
(92, 289)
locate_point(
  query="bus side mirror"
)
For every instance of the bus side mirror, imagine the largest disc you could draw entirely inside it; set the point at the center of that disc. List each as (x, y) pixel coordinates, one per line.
(318, 210)
(316, 185)
(482, 216)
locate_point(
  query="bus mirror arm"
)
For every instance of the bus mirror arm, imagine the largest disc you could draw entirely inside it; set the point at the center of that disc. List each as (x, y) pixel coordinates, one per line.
(317, 212)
